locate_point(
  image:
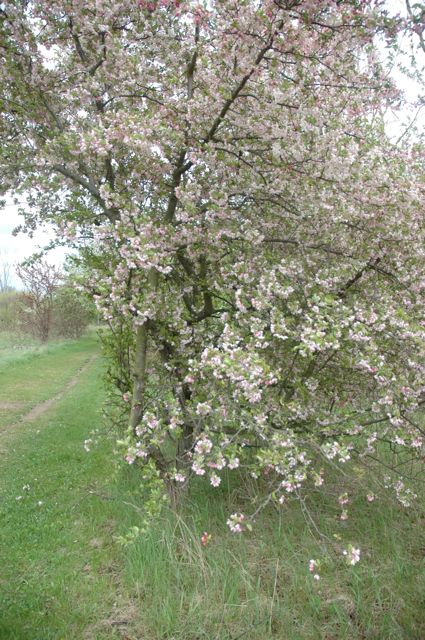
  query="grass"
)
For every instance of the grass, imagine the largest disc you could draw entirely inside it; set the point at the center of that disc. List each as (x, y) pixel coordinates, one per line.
(47, 530)
(258, 585)
(63, 577)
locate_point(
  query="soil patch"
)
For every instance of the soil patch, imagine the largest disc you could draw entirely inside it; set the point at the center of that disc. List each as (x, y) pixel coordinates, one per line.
(5, 406)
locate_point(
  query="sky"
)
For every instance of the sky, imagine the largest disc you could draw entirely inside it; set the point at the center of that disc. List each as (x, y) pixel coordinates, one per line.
(14, 249)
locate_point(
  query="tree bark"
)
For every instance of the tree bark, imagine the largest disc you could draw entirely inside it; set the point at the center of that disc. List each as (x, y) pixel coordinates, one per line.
(139, 375)
(138, 403)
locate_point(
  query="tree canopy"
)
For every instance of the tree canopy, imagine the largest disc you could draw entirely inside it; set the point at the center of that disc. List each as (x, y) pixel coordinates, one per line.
(225, 171)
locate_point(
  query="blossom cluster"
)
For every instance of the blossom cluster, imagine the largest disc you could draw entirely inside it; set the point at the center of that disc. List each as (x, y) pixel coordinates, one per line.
(248, 232)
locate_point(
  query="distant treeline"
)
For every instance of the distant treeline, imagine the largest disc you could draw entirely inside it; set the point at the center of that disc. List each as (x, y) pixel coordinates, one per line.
(66, 314)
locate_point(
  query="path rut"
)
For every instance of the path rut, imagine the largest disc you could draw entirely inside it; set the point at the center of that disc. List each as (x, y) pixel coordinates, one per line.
(41, 408)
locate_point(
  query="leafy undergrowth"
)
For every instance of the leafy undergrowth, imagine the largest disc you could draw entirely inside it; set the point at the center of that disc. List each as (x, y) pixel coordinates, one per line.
(63, 576)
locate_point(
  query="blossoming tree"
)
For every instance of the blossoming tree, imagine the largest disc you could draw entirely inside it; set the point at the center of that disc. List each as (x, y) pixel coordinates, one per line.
(225, 170)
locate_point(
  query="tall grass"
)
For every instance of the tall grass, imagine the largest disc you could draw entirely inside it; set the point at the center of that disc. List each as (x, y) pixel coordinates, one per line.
(64, 577)
(258, 585)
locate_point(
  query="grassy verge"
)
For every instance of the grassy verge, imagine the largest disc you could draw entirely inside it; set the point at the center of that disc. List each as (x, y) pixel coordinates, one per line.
(16, 346)
(258, 585)
(53, 534)
(64, 578)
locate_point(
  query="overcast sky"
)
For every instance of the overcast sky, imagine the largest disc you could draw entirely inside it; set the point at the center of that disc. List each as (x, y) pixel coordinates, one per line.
(14, 249)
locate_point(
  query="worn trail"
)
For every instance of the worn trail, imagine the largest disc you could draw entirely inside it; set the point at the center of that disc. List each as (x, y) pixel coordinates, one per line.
(41, 408)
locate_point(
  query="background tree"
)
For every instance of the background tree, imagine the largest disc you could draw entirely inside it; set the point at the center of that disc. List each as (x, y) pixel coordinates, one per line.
(41, 282)
(9, 310)
(225, 170)
(71, 311)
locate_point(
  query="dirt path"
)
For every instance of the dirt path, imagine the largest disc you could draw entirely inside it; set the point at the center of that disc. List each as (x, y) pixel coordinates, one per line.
(41, 408)
(4, 406)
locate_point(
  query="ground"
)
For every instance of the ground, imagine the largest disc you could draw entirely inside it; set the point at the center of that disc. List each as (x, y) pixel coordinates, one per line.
(64, 577)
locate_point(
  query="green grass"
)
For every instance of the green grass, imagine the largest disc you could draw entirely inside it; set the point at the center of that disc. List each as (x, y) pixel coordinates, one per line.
(16, 346)
(63, 577)
(56, 539)
(258, 585)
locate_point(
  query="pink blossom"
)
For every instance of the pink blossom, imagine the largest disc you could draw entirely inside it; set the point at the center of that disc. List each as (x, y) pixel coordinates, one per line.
(203, 446)
(235, 522)
(215, 480)
(179, 477)
(352, 555)
(205, 538)
(199, 471)
(343, 499)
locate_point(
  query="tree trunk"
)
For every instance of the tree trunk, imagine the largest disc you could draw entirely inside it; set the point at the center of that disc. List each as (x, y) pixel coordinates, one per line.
(139, 375)
(140, 363)
(177, 493)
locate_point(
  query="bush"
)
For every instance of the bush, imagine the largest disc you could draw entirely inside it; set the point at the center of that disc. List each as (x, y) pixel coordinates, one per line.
(71, 313)
(9, 310)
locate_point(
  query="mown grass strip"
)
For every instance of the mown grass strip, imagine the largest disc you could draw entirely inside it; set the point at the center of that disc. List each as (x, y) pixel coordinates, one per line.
(56, 533)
